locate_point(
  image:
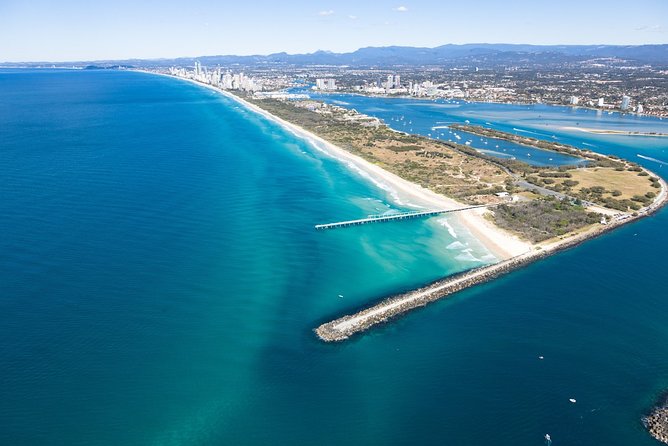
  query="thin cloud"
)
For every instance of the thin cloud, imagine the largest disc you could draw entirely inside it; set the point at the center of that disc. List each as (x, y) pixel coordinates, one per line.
(657, 28)
(401, 9)
(352, 17)
(326, 13)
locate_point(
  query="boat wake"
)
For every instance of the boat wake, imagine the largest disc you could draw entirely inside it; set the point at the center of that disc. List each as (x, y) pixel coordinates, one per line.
(649, 158)
(533, 133)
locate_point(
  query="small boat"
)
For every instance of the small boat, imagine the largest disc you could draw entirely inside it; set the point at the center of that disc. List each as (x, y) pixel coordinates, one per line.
(572, 400)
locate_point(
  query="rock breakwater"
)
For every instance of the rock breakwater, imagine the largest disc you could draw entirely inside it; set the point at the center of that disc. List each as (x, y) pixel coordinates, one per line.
(657, 421)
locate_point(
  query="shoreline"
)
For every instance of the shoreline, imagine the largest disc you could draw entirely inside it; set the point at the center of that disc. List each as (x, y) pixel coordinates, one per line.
(615, 132)
(497, 241)
(512, 252)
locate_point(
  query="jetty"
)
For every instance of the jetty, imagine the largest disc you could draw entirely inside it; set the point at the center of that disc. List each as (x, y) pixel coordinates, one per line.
(397, 216)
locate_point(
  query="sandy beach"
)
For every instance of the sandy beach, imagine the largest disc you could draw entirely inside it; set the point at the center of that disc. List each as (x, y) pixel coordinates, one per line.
(614, 132)
(499, 242)
(511, 251)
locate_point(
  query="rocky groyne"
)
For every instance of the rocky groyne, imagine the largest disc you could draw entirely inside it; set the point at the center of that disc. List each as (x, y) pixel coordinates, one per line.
(346, 326)
(657, 421)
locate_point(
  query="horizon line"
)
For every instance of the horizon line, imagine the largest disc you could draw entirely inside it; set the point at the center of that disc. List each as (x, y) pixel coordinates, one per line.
(325, 51)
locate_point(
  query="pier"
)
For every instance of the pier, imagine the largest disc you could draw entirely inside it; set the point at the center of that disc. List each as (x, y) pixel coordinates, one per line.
(398, 216)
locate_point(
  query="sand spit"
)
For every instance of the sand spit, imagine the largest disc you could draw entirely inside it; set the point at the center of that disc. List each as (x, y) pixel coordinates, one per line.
(346, 326)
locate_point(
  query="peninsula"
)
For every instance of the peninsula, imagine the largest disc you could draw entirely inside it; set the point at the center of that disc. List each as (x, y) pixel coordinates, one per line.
(521, 212)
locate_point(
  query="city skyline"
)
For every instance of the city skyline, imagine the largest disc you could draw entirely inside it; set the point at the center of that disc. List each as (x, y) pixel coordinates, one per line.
(75, 30)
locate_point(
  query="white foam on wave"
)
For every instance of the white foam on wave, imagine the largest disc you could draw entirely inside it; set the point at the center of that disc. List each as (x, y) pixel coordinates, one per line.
(529, 131)
(379, 184)
(467, 256)
(455, 245)
(354, 167)
(444, 222)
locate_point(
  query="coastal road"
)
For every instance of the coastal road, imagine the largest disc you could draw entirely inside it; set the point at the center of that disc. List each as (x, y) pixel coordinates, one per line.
(549, 192)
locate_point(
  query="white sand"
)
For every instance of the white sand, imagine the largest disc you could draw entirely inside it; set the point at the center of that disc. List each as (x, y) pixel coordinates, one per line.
(501, 243)
(614, 132)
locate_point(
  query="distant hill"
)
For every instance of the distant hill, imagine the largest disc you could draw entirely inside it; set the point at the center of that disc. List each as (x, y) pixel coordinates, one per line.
(483, 53)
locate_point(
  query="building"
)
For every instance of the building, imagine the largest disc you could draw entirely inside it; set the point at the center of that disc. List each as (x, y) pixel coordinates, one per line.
(325, 84)
(626, 102)
(574, 100)
(601, 102)
(640, 109)
(397, 81)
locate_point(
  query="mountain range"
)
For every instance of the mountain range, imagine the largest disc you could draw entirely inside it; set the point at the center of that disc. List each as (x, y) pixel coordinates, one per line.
(483, 54)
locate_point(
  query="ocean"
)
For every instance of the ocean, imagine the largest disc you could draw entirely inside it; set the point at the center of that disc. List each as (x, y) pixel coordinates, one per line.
(160, 278)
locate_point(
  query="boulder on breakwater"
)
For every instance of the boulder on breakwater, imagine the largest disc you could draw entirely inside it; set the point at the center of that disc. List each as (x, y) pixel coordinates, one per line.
(657, 421)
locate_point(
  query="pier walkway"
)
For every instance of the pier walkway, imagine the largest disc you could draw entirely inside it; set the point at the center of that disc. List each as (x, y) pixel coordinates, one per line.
(399, 216)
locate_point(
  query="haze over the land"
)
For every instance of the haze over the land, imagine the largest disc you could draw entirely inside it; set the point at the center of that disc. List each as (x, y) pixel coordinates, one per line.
(70, 30)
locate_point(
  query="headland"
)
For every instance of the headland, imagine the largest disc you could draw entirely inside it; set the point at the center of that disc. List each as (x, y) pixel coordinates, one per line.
(538, 211)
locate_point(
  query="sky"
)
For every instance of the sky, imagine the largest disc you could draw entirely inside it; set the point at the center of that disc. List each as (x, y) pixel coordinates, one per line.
(69, 30)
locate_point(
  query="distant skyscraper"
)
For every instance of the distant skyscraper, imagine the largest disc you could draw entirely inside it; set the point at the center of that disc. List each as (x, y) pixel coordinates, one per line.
(626, 101)
(325, 84)
(640, 109)
(397, 81)
(601, 102)
(575, 100)
(390, 81)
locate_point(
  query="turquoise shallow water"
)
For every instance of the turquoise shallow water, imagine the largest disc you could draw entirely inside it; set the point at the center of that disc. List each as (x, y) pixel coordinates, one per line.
(160, 277)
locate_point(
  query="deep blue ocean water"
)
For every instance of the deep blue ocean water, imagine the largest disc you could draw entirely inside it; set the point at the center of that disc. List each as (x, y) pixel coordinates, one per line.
(160, 278)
